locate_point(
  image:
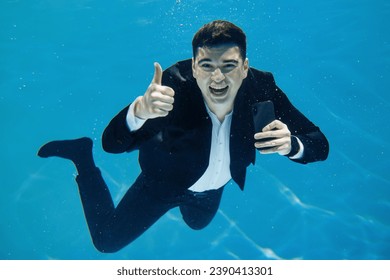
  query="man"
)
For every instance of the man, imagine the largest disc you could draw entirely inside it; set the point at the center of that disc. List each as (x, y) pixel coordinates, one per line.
(194, 131)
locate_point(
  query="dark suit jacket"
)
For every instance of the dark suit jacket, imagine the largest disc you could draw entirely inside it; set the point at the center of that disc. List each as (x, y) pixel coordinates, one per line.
(175, 150)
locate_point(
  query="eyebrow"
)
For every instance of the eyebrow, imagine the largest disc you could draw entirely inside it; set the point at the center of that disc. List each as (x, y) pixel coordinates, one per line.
(225, 61)
(231, 61)
(204, 60)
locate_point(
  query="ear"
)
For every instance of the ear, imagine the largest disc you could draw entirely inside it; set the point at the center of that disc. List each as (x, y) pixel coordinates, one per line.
(245, 68)
(193, 68)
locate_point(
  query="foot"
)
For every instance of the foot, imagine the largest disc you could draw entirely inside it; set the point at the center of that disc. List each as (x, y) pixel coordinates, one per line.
(69, 149)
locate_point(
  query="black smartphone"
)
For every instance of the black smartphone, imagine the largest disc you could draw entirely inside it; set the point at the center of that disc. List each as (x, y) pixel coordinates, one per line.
(263, 114)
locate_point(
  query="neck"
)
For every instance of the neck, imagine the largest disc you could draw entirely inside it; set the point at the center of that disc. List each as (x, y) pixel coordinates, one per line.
(220, 110)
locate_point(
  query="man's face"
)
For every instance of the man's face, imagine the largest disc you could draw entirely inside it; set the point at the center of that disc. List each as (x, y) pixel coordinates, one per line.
(219, 72)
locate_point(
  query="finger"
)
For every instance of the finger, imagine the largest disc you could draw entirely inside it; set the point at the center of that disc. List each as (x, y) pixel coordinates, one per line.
(274, 124)
(157, 78)
(164, 90)
(164, 95)
(274, 134)
(162, 106)
(269, 150)
(264, 135)
(168, 91)
(266, 150)
(160, 112)
(269, 143)
(270, 134)
(282, 150)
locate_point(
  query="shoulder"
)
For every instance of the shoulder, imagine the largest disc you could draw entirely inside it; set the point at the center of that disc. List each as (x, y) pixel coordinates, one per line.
(260, 82)
(256, 75)
(181, 71)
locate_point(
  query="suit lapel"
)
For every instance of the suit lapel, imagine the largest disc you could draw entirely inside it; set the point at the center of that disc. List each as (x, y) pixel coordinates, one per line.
(242, 151)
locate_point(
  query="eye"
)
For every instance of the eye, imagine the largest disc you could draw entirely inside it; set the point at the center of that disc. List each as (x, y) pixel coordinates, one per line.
(207, 67)
(229, 67)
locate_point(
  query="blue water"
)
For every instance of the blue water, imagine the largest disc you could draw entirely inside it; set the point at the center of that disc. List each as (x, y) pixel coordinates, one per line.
(68, 66)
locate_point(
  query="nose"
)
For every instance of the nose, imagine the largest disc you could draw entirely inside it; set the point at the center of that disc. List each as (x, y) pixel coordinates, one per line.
(217, 75)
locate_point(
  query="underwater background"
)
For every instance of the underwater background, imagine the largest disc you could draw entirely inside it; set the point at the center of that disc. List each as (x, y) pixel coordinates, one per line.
(68, 66)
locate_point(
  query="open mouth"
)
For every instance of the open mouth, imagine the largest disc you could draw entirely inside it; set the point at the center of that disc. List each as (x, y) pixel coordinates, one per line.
(218, 91)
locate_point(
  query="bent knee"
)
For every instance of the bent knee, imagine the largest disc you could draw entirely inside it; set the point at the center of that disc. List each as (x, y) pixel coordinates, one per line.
(195, 224)
(197, 227)
(107, 245)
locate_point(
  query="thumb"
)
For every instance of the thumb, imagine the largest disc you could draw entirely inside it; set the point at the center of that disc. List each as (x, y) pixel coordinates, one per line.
(157, 74)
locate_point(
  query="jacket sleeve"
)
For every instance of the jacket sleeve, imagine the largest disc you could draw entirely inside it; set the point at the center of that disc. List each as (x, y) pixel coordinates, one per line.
(316, 146)
(117, 137)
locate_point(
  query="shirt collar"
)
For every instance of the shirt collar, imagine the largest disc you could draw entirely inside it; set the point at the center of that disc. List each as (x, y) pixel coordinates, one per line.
(214, 117)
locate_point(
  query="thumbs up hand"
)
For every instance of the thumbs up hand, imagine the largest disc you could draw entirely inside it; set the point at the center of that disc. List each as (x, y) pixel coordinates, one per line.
(157, 100)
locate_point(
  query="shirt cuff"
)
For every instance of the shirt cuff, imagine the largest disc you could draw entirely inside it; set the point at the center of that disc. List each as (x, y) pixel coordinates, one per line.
(133, 123)
(300, 150)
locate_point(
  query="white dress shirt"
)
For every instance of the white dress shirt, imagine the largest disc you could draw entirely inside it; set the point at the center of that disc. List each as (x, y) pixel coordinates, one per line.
(217, 173)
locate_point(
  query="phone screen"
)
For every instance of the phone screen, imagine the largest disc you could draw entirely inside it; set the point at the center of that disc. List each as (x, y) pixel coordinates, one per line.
(263, 114)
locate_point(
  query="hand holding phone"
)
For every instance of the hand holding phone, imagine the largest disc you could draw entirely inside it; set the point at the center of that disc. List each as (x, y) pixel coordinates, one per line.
(282, 142)
(263, 114)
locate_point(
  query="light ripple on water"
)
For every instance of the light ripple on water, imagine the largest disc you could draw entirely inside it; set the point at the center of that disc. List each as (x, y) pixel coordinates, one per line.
(293, 199)
(266, 252)
(349, 220)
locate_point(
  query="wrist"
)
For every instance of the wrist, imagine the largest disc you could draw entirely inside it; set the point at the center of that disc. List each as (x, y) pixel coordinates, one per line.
(138, 108)
(295, 147)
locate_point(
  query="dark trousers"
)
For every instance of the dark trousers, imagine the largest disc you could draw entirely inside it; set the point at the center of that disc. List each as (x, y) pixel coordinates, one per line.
(112, 227)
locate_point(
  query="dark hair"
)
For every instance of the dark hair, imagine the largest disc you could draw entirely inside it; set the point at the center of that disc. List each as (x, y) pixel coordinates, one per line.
(219, 32)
